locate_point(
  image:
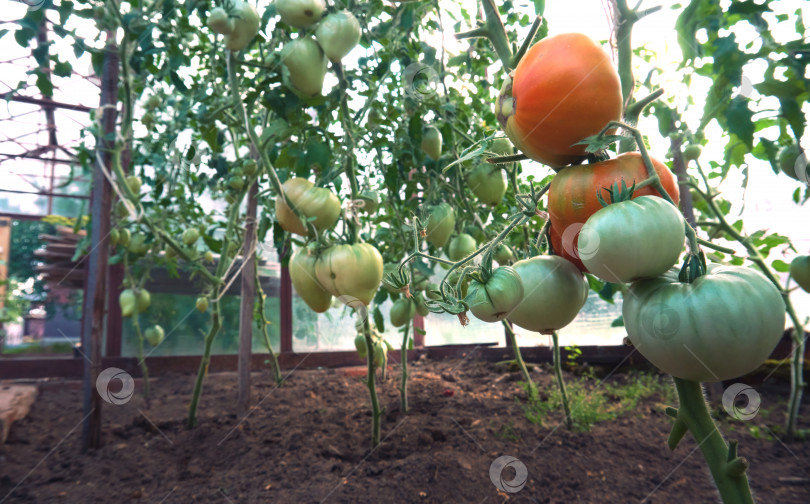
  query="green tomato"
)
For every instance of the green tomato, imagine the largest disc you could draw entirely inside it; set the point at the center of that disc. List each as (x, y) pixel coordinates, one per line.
(302, 275)
(236, 183)
(300, 13)
(337, 34)
(137, 244)
(134, 184)
(721, 326)
(501, 147)
(421, 308)
(202, 304)
(121, 209)
(154, 335)
(208, 256)
(114, 237)
(432, 143)
(494, 300)
(692, 152)
(310, 201)
(800, 271)
(246, 25)
(461, 246)
(419, 281)
(794, 163)
(144, 300)
(128, 302)
(219, 22)
(440, 225)
(124, 237)
(626, 241)
(306, 66)
(554, 292)
(360, 345)
(402, 312)
(488, 183)
(353, 273)
(250, 168)
(503, 254)
(190, 236)
(380, 355)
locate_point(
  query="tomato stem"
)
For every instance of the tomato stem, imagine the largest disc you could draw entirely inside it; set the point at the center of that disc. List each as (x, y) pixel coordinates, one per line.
(205, 362)
(727, 469)
(264, 324)
(141, 359)
(527, 42)
(376, 413)
(557, 363)
(512, 342)
(403, 354)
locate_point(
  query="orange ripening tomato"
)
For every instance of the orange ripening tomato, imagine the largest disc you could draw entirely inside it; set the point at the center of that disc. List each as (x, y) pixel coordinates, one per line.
(564, 90)
(572, 196)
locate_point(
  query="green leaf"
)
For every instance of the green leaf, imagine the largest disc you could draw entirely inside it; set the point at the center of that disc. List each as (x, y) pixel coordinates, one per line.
(62, 69)
(44, 84)
(178, 83)
(780, 266)
(739, 120)
(618, 322)
(379, 320)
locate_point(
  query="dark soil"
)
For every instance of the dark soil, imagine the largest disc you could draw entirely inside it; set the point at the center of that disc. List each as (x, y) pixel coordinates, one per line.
(308, 441)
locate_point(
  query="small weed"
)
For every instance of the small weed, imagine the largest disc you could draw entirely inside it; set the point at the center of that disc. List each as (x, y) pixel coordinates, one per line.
(507, 432)
(592, 402)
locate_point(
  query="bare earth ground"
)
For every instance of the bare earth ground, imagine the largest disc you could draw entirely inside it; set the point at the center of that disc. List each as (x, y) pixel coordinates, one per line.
(308, 441)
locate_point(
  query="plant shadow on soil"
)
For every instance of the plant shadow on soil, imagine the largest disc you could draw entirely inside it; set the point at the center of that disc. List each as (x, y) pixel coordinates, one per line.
(308, 441)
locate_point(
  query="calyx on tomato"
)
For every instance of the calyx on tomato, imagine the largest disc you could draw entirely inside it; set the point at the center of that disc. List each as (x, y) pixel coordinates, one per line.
(461, 246)
(630, 240)
(337, 34)
(495, 299)
(302, 275)
(554, 292)
(563, 90)
(721, 326)
(310, 201)
(245, 26)
(350, 272)
(572, 196)
(219, 22)
(402, 312)
(305, 66)
(440, 225)
(300, 13)
(432, 142)
(800, 271)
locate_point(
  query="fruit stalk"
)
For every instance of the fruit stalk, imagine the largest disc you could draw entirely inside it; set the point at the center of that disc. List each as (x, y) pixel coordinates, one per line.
(512, 341)
(204, 363)
(141, 359)
(557, 363)
(263, 321)
(376, 413)
(403, 386)
(727, 469)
